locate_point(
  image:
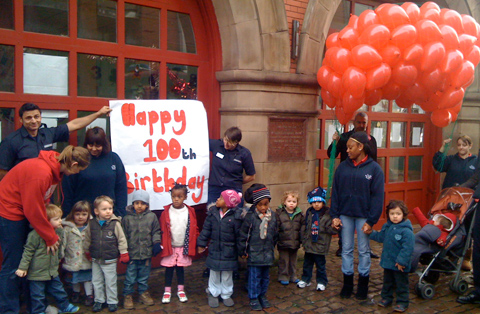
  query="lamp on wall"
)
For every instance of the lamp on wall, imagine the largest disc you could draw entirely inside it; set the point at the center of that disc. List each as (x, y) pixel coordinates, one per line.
(295, 38)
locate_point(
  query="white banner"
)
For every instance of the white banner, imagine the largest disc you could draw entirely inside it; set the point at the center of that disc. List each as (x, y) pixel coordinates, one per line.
(162, 142)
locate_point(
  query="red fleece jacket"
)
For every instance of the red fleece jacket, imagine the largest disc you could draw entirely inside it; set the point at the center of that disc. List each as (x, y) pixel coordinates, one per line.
(422, 220)
(26, 189)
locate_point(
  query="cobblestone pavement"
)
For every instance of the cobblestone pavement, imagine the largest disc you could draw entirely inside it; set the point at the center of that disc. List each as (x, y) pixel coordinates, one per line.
(290, 299)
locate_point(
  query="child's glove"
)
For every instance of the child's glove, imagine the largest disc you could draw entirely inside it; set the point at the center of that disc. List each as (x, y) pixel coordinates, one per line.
(124, 258)
(157, 248)
(89, 257)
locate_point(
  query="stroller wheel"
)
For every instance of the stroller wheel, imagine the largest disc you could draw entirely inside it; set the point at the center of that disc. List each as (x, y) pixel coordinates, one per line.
(459, 287)
(427, 291)
(418, 288)
(432, 276)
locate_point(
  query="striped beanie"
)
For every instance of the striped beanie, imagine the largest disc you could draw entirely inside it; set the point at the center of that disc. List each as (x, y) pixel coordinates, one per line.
(260, 194)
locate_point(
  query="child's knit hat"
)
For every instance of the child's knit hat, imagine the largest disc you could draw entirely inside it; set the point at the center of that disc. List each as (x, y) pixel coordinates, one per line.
(317, 195)
(261, 194)
(231, 198)
(141, 195)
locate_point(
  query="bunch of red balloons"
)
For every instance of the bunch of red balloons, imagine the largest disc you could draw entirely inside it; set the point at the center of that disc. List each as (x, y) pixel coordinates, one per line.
(425, 56)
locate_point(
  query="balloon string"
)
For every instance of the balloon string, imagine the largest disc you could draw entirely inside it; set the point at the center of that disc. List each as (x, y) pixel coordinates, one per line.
(445, 151)
(331, 165)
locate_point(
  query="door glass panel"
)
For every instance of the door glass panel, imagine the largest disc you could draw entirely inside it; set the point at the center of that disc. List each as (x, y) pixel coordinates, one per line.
(102, 122)
(359, 8)
(181, 81)
(45, 72)
(54, 118)
(397, 135)
(47, 17)
(397, 109)
(97, 76)
(382, 106)
(7, 78)
(379, 131)
(342, 15)
(415, 168)
(416, 134)
(417, 109)
(6, 14)
(330, 129)
(180, 33)
(97, 20)
(7, 124)
(141, 79)
(142, 26)
(382, 162)
(397, 169)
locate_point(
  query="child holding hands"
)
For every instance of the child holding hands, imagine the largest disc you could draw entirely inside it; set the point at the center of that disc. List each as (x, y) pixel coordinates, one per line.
(398, 241)
(221, 228)
(316, 238)
(257, 238)
(41, 268)
(144, 239)
(104, 243)
(291, 221)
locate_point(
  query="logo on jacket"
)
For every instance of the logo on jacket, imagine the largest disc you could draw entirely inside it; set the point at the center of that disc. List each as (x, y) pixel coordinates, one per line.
(114, 167)
(110, 235)
(368, 176)
(398, 237)
(472, 167)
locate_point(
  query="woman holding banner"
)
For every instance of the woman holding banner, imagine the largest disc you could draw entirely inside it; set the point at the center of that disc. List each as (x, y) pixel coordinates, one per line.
(105, 175)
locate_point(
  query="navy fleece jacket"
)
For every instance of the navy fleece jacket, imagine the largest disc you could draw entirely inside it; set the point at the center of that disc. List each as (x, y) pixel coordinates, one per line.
(357, 191)
(458, 169)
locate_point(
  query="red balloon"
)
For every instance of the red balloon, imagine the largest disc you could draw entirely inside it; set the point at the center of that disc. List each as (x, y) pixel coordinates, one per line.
(365, 57)
(373, 97)
(334, 85)
(450, 37)
(366, 18)
(390, 55)
(403, 102)
(404, 36)
(353, 21)
(378, 77)
(470, 25)
(441, 118)
(412, 10)
(376, 35)
(466, 43)
(341, 115)
(383, 6)
(430, 14)
(429, 5)
(463, 75)
(348, 37)
(323, 76)
(433, 81)
(452, 18)
(457, 108)
(350, 103)
(434, 52)
(451, 98)
(353, 81)
(452, 61)
(391, 91)
(332, 41)
(474, 56)
(416, 93)
(393, 16)
(427, 31)
(340, 59)
(404, 74)
(454, 115)
(328, 98)
(413, 55)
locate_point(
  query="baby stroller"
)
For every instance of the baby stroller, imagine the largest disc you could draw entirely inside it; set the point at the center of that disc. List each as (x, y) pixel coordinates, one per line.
(449, 258)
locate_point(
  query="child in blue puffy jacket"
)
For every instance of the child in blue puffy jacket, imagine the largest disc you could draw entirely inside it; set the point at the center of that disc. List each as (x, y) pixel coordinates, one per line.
(398, 241)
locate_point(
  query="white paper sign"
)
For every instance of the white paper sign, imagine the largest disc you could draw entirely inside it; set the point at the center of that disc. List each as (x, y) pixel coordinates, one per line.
(162, 142)
(43, 74)
(416, 136)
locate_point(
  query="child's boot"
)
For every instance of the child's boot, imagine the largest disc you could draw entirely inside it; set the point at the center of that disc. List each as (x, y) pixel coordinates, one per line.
(212, 301)
(128, 302)
(75, 297)
(347, 286)
(362, 289)
(146, 299)
(89, 300)
(255, 305)
(264, 301)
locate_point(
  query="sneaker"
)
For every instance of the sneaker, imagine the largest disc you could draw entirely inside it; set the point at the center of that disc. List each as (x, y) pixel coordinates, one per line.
(128, 302)
(284, 282)
(384, 303)
(112, 307)
(264, 301)
(89, 300)
(146, 299)
(255, 305)
(75, 297)
(70, 309)
(295, 280)
(167, 296)
(302, 284)
(182, 296)
(320, 287)
(97, 307)
(212, 301)
(400, 308)
(228, 302)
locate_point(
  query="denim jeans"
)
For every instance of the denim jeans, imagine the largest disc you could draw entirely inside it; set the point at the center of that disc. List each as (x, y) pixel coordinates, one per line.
(258, 280)
(54, 287)
(13, 235)
(138, 272)
(308, 262)
(349, 225)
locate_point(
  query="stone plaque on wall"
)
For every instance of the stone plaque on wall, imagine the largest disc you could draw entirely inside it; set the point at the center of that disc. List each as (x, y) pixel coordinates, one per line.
(286, 139)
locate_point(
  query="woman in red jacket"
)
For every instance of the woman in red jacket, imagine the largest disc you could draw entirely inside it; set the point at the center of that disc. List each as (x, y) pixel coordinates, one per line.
(24, 191)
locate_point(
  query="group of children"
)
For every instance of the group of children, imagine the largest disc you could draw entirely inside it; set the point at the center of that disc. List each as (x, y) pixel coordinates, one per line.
(91, 248)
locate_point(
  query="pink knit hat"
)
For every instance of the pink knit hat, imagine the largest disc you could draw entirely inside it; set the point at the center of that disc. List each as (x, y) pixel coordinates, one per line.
(231, 198)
